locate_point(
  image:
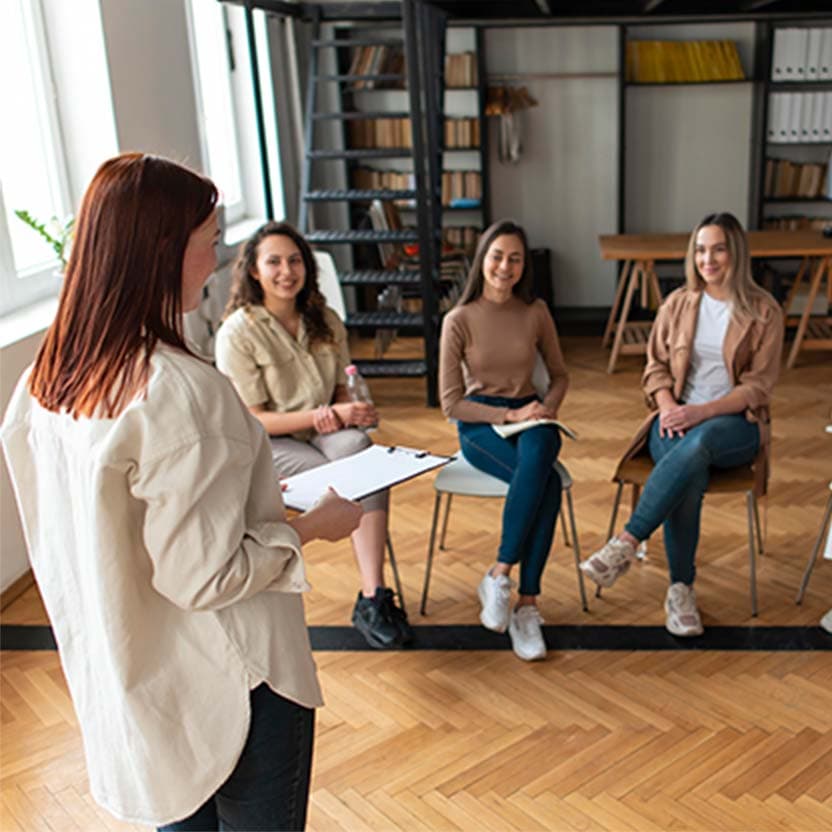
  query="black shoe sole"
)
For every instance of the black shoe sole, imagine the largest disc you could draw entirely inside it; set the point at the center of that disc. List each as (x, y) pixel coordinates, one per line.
(371, 638)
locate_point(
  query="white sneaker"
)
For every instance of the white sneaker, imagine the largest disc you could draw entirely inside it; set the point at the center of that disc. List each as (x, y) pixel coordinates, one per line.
(826, 622)
(526, 635)
(682, 616)
(495, 595)
(609, 562)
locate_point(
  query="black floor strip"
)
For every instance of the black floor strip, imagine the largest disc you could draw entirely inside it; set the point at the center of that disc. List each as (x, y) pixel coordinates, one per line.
(772, 639)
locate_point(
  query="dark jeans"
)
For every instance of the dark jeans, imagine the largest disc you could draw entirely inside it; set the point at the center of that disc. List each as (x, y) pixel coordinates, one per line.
(673, 493)
(269, 787)
(532, 504)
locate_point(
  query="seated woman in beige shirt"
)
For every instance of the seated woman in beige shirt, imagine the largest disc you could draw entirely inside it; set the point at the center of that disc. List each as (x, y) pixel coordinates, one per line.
(285, 351)
(156, 530)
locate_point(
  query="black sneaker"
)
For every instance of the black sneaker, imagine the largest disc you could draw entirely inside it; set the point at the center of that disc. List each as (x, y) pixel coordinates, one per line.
(371, 618)
(398, 616)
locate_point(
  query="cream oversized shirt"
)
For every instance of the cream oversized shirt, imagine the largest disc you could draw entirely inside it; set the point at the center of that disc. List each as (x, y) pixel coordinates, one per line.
(171, 579)
(271, 368)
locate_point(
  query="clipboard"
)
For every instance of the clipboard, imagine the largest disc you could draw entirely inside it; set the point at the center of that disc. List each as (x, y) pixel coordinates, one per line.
(359, 475)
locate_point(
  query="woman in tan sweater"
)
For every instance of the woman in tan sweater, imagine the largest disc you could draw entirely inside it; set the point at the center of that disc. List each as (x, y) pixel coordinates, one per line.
(489, 346)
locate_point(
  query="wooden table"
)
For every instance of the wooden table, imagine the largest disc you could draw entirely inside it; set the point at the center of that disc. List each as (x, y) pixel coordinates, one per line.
(639, 253)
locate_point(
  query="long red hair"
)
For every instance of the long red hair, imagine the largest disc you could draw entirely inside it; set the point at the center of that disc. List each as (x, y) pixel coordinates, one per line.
(122, 292)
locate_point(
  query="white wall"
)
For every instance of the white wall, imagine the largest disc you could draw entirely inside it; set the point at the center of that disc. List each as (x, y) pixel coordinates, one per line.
(564, 188)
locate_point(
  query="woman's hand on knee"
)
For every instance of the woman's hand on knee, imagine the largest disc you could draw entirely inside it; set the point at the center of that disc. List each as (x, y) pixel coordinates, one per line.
(326, 420)
(679, 419)
(532, 410)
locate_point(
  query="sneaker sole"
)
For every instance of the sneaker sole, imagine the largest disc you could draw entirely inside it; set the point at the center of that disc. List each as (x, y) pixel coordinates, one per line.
(603, 579)
(494, 626)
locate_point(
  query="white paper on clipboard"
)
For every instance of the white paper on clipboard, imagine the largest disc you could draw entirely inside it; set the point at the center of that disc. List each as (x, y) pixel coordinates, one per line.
(359, 475)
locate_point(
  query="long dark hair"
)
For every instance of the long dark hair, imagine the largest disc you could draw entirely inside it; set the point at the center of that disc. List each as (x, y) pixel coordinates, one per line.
(247, 291)
(524, 288)
(122, 292)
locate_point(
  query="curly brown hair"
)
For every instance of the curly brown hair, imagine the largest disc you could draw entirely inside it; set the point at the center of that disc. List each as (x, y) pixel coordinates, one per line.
(247, 291)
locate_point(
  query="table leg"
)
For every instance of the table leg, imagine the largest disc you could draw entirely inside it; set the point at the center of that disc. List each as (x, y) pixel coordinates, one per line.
(619, 293)
(654, 285)
(823, 265)
(636, 272)
(796, 285)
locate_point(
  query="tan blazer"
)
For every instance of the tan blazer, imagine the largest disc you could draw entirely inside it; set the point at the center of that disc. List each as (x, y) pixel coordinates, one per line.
(751, 350)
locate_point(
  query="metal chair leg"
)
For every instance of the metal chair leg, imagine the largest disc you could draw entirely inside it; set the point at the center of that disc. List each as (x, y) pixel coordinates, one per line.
(566, 541)
(760, 545)
(752, 552)
(576, 549)
(445, 522)
(395, 569)
(815, 552)
(611, 529)
(429, 563)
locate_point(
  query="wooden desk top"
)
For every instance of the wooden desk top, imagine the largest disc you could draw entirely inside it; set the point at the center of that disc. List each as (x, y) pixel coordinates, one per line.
(674, 246)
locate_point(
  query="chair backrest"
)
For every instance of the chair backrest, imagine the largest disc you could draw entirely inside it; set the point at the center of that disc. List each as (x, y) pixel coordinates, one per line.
(540, 376)
(329, 285)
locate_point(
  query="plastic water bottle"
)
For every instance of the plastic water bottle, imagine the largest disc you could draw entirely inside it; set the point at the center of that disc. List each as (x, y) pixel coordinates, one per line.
(357, 388)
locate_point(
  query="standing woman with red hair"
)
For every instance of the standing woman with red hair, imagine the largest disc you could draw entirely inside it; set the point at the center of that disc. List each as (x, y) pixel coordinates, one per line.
(156, 530)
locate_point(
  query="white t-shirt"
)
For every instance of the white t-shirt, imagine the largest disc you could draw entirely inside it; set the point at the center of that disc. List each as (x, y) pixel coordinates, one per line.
(708, 377)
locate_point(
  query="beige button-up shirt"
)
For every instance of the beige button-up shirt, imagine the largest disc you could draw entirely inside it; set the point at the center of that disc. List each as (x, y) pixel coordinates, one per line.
(171, 579)
(269, 367)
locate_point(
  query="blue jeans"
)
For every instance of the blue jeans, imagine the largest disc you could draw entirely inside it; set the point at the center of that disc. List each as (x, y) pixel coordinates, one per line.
(674, 491)
(269, 787)
(532, 504)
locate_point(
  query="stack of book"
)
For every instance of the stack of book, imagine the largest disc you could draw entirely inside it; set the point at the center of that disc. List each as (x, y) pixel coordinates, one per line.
(804, 117)
(463, 237)
(369, 179)
(462, 132)
(802, 55)
(461, 70)
(794, 179)
(796, 223)
(375, 60)
(461, 188)
(676, 62)
(380, 133)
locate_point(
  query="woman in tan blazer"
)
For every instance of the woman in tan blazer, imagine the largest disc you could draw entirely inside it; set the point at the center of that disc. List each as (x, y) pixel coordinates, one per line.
(712, 361)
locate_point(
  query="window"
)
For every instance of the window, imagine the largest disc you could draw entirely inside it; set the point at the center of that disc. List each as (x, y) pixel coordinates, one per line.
(225, 102)
(32, 168)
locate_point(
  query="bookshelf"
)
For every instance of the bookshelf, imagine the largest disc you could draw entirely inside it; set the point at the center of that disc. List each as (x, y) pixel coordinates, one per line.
(796, 99)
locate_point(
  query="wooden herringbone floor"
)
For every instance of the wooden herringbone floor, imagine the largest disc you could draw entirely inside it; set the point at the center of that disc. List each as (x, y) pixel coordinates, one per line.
(586, 740)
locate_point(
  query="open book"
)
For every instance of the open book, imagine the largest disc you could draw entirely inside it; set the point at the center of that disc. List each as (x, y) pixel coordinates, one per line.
(510, 428)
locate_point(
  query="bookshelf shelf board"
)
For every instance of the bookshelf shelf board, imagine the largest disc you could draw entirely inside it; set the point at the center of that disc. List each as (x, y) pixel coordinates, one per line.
(781, 199)
(800, 144)
(799, 86)
(735, 82)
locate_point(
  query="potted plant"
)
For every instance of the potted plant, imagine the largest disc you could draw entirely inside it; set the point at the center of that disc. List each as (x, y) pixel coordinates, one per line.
(58, 233)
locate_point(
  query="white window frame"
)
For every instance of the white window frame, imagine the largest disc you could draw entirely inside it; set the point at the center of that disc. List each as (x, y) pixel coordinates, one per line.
(25, 286)
(244, 215)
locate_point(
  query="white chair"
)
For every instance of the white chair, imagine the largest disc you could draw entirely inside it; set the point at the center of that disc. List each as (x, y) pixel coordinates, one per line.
(462, 478)
(334, 296)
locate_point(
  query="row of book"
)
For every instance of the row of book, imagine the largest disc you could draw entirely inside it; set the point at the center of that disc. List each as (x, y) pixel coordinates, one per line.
(802, 55)
(675, 61)
(800, 223)
(462, 237)
(376, 60)
(461, 70)
(799, 117)
(784, 178)
(460, 188)
(397, 132)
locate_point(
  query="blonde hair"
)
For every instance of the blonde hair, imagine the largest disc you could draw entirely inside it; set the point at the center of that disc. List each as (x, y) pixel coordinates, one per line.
(742, 290)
